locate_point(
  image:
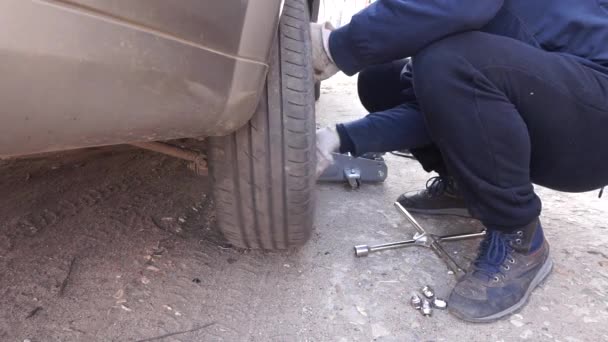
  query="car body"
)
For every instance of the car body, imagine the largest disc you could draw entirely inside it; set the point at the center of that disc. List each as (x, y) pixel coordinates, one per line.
(236, 74)
(83, 73)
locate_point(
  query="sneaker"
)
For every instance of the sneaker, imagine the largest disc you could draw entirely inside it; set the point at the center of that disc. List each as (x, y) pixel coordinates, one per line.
(441, 197)
(506, 271)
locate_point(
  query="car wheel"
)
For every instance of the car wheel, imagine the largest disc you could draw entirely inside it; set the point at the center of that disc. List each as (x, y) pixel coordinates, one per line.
(264, 174)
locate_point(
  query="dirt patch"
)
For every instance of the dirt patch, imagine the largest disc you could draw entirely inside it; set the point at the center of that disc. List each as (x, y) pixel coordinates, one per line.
(87, 239)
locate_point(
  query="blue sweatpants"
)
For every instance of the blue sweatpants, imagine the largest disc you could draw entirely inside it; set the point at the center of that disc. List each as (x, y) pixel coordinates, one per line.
(494, 113)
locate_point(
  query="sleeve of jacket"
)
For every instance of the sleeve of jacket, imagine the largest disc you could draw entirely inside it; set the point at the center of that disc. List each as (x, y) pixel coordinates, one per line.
(388, 30)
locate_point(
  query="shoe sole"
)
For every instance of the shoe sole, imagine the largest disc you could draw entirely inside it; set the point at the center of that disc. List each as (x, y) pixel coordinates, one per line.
(442, 212)
(544, 271)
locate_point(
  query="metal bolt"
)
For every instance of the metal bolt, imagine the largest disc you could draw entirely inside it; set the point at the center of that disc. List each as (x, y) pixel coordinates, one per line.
(426, 308)
(428, 292)
(440, 304)
(416, 302)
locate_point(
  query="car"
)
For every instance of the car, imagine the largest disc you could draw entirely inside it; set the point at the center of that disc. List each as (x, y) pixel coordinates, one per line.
(235, 75)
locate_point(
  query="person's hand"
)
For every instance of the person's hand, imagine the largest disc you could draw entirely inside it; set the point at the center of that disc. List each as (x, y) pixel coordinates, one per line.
(328, 141)
(324, 66)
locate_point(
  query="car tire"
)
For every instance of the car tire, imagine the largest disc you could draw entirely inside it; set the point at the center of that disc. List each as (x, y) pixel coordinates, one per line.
(264, 174)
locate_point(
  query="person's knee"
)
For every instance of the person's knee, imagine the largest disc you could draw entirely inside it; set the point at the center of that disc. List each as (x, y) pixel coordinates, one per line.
(439, 68)
(367, 84)
(380, 87)
(445, 59)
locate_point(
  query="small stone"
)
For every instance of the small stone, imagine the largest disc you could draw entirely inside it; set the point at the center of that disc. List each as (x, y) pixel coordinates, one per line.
(153, 268)
(517, 322)
(379, 330)
(287, 265)
(145, 280)
(588, 319)
(361, 310)
(178, 314)
(573, 339)
(27, 340)
(168, 307)
(544, 308)
(181, 220)
(125, 308)
(119, 294)
(526, 334)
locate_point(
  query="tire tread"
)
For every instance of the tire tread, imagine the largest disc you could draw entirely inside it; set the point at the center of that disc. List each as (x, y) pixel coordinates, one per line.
(263, 174)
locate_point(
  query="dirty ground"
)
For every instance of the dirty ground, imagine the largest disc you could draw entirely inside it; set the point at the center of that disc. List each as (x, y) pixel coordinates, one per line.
(119, 244)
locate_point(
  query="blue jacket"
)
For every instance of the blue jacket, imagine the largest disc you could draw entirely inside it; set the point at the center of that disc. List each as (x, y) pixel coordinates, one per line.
(393, 29)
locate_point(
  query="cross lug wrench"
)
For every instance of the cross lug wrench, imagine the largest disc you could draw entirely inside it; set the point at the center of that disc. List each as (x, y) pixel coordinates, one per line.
(422, 239)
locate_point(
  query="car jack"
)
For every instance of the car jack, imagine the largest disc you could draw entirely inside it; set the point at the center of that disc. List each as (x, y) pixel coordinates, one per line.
(346, 168)
(423, 239)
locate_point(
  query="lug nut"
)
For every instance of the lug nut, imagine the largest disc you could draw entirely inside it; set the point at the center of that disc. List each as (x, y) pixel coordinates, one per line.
(440, 304)
(427, 311)
(416, 302)
(428, 292)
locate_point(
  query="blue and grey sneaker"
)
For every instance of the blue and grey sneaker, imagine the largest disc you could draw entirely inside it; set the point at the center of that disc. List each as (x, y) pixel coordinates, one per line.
(508, 268)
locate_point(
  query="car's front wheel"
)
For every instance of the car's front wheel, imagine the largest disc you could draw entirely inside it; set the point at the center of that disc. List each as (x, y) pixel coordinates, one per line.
(264, 174)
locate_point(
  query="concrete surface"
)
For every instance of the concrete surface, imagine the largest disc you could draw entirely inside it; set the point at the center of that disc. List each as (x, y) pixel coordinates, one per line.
(117, 244)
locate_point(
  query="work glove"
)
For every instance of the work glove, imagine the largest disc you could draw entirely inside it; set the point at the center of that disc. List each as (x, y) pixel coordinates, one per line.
(328, 141)
(324, 66)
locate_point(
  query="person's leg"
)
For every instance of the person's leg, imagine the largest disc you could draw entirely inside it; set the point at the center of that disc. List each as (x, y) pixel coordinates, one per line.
(398, 128)
(506, 117)
(396, 123)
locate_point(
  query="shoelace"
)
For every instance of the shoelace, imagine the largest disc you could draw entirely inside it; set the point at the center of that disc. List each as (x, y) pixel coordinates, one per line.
(494, 251)
(437, 186)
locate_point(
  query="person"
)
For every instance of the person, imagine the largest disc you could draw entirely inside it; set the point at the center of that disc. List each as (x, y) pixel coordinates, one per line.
(492, 95)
